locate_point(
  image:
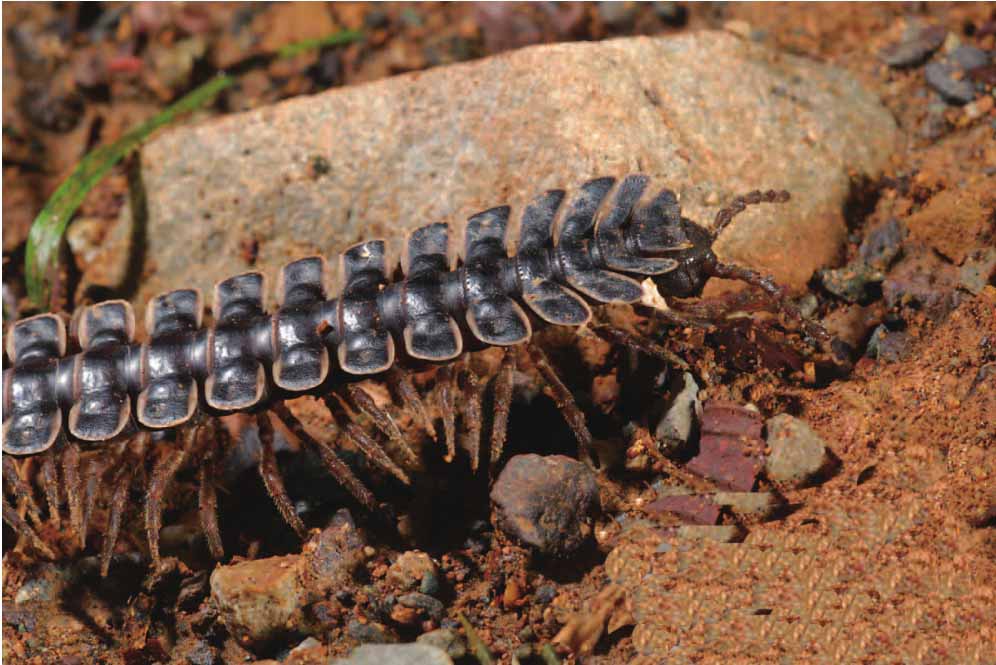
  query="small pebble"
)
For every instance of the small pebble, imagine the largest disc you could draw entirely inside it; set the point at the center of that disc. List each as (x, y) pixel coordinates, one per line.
(796, 454)
(917, 44)
(428, 606)
(447, 640)
(886, 345)
(941, 77)
(970, 57)
(545, 594)
(977, 271)
(619, 15)
(543, 501)
(672, 13)
(368, 633)
(411, 569)
(675, 427)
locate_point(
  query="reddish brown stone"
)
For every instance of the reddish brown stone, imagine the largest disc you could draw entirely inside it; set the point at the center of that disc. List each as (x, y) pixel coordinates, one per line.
(730, 450)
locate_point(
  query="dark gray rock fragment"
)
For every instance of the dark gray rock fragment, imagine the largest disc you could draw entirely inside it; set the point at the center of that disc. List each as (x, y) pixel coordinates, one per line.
(543, 502)
(917, 44)
(942, 78)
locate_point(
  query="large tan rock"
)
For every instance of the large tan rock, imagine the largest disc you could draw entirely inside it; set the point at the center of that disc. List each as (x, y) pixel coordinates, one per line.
(707, 113)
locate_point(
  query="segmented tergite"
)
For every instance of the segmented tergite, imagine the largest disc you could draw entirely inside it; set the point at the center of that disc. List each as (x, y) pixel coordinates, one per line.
(592, 246)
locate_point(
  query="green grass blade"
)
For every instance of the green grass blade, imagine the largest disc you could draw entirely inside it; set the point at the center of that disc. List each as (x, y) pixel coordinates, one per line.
(336, 39)
(50, 224)
(474, 641)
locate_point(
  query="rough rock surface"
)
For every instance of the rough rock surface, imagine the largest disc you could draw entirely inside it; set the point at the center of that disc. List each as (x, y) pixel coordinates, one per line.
(396, 654)
(543, 501)
(707, 113)
(730, 449)
(796, 452)
(260, 599)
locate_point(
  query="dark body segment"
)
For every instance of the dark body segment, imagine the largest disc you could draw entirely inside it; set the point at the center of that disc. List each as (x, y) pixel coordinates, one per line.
(593, 245)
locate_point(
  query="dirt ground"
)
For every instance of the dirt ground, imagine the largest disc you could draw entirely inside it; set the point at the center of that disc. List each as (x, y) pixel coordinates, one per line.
(904, 524)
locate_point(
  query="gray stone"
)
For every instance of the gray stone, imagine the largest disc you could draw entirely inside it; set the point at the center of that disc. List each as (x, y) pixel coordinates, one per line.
(796, 451)
(917, 44)
(707, 113)
(543, 502)
(675, 427)
(396, 654)
(447, 640)
(970, 57)
(411, 569)
(978, 270)
(941, 77)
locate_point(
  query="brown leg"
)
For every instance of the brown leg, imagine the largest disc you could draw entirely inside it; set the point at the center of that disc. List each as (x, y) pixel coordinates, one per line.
(21, 491)
(23, 530)
(564, 401)
(447, 407)
(133, 457)
(812, 330)
(74, 488)
(207, 498)
(371, 448)
(402, 383)
(381, 419)
(270, 473)
(474, 395)
(335, 466)
(615, 335)
(503, 402)
(162, 474)
(50, 485)
(92, 478)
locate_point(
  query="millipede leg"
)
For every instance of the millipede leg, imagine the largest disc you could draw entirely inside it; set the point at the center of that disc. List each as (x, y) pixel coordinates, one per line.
(402, 382)
(447, 407)
(812, 330)
(207, 498)
(381, 419)
(119, 499)
(373, 450)
(503, 402)
(564, 401)
(74, 488)
(21, 491)
(91, 488)
(162, 474)
(23, 530)
(472, 414)
(50, 485)
(615, 335)
(335, 466)
(270, 473)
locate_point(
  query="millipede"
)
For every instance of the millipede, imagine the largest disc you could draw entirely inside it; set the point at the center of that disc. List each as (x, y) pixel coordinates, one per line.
(598, 244)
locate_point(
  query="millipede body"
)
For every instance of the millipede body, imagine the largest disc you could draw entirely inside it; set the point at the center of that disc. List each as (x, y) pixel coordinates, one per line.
(571, 250)
(593, 245)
